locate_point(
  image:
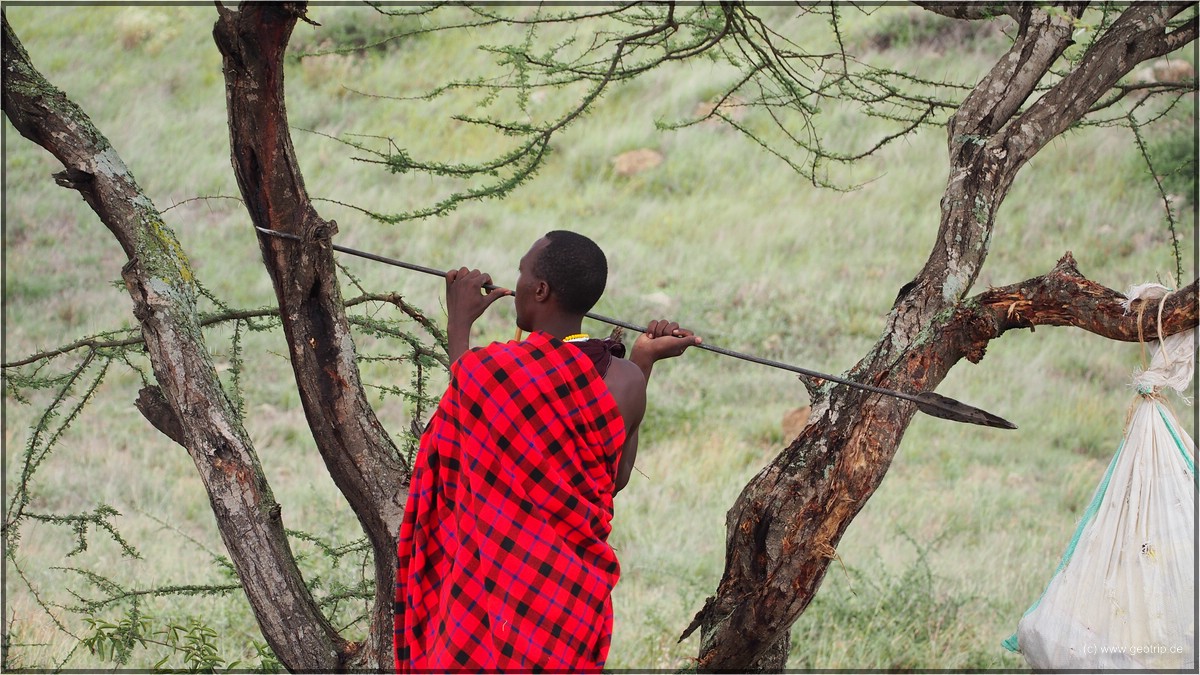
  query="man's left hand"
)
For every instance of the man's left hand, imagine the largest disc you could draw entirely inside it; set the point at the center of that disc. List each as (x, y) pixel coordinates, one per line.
(662, 340)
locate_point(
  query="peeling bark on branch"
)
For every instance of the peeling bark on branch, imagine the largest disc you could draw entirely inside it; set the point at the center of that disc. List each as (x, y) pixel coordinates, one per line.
(1064, 297)
(359, 454)
(160, 283)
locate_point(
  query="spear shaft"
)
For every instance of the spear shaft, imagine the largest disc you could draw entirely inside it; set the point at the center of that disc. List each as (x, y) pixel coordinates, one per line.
(927, 402)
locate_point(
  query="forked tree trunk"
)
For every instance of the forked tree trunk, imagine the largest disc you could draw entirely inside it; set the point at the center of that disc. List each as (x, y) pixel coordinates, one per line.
(784, 528)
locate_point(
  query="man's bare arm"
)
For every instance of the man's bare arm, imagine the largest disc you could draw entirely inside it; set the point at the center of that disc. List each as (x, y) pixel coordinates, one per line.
(662, 340)
(465, 302)
(628, 387)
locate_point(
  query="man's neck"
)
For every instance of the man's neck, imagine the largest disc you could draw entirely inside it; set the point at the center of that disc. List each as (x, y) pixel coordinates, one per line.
(562, 328)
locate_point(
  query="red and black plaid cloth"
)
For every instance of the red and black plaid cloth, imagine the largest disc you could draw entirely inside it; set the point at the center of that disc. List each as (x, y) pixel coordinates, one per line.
(503, 556)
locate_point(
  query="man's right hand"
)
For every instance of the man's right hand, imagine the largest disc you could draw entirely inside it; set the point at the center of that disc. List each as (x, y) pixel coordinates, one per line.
(466, 301)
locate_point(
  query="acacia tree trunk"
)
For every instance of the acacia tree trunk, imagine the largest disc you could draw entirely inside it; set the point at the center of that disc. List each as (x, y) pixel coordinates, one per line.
(785, 526)
(188, 403)
(358, 452)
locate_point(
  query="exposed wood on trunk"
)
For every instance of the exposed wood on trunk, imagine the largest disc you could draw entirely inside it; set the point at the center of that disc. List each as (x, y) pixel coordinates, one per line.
(160, 283)
(359, 454)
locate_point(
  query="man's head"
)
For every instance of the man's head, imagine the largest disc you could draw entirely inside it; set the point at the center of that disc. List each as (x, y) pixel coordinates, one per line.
(563, 272)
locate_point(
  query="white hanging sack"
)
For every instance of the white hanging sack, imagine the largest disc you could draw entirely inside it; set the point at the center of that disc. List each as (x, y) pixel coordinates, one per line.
(1123, 596)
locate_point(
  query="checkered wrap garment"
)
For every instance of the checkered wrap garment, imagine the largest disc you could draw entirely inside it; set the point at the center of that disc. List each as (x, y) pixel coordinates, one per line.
(503, 556)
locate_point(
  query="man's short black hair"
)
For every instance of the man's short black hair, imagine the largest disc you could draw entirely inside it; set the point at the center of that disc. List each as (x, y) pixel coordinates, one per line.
(575, 268)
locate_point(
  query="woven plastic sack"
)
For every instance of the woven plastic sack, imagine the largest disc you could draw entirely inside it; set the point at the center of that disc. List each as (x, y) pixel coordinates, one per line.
(1123, 596)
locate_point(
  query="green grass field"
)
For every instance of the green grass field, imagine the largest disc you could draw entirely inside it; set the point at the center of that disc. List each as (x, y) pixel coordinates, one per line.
(958, 541)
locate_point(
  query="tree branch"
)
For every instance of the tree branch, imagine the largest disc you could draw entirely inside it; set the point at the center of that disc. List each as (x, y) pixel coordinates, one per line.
(1118, 92)
(1138, 34)
(970, 11)
(1064, 297)
(100, 342)
(999, 95)
(515, 167)
(1181, 36)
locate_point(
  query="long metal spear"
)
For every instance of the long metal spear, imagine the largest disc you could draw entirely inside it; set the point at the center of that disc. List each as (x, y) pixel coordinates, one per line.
(926, 401)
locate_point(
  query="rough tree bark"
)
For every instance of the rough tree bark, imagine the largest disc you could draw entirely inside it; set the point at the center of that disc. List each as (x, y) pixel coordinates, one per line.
(784, 528)
(358, 452)
(188, 403)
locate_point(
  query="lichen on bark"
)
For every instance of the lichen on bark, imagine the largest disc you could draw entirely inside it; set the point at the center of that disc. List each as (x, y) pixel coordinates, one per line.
(161, 255)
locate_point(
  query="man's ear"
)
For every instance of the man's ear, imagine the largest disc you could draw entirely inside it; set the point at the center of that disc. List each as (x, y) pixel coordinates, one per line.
(541, 292)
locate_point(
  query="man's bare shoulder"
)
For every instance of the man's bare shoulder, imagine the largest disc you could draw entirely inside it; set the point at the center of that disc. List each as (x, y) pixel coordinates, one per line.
(628, 387)
(625, 373)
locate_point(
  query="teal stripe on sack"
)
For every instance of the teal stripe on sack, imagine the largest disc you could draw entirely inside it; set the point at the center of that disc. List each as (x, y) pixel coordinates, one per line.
(1169, 421)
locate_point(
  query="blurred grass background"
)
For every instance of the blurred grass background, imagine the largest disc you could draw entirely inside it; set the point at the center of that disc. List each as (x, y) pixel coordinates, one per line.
(958, 541)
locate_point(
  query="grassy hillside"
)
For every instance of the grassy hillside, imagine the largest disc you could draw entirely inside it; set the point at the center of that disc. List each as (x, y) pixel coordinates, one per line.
(958, 541)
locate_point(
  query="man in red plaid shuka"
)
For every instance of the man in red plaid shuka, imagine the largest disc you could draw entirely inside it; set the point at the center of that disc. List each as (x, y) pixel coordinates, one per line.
(504, 562)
